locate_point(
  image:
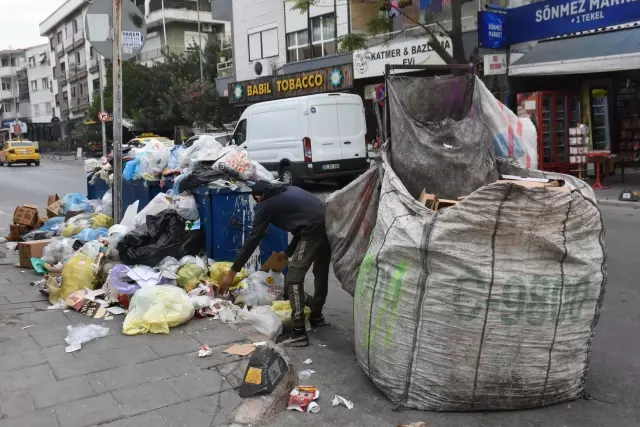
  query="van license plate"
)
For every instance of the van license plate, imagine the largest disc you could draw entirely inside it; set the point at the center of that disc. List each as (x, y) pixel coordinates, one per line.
(332, 166)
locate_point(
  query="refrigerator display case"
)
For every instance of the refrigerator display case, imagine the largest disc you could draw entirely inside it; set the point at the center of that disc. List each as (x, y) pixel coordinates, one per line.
(553, 113)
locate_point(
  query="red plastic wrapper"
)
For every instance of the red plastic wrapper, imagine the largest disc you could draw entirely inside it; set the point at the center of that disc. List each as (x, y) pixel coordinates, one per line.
(302, 398)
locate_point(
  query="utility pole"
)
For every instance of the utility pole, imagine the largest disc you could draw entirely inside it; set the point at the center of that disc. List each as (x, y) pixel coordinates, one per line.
(199, 41)
(117, 110)
(164, 25)
(105, 151)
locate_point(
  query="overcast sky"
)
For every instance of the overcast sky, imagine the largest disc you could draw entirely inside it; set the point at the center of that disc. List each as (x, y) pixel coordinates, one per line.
(20, 21)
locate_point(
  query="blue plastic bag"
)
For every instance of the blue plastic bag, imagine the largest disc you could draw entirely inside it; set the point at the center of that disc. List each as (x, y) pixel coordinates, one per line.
(54, 225)
(132, 169)
(89, 234)
(75, 202)
(174, 160)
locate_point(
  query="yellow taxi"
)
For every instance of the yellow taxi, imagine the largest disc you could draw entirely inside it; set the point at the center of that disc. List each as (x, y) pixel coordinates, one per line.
(150, 138)
(23, 151)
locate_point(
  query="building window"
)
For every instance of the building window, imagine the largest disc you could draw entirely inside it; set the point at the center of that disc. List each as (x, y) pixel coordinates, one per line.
(263, 44)
(323, 35)
(5, 62)
(45, 83)
(34, 85)
(91, 52)
(96, 84)
(298, 46)
(65, 96)
(76, 55)
(74, 25)
(59, 36)
(73, 92)
(6, 85)
(63, 68)
(36, 110)
(51, 44)
(47, 107)
(7, 107)
(32, 61)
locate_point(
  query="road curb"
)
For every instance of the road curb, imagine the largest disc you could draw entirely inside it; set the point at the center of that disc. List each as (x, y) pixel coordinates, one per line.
(618, 203)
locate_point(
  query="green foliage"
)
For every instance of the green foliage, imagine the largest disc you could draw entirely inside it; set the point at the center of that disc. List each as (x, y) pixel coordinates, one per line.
(154, 97)
(351, 42)
(379, 24)
(302, 5)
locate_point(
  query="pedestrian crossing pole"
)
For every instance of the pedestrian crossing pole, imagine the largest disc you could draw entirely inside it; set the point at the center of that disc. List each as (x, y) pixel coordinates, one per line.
(117, 110)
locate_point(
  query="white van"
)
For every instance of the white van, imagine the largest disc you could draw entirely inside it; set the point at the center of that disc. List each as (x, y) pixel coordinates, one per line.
(306, 138)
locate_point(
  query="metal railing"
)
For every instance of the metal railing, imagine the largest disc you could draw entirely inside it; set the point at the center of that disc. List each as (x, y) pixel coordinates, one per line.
(157, 53)
(156, 5)
(225, 69)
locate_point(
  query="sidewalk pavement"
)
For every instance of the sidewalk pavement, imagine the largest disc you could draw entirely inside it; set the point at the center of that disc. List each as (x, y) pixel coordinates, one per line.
(609, 196)
(116, 381)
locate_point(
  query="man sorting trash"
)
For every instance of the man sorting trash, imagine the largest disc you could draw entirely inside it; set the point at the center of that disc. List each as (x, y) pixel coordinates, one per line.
(299, 212)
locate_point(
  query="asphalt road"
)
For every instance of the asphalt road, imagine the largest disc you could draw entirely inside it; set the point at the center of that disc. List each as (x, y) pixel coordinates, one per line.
(613, 382)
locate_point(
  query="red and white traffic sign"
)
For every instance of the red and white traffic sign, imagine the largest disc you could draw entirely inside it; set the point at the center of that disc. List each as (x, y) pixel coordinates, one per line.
(103, 116)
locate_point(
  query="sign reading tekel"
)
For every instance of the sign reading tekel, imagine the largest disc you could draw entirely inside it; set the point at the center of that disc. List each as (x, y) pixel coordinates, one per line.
(370, 62)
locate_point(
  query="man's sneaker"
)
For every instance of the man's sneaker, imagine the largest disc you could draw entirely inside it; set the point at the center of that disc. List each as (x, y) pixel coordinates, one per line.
(318, 321)
(296, 338)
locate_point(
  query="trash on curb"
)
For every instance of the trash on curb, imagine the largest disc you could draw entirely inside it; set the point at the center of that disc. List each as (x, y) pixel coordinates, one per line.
(308, 362)
(337, 400)
(240, 349)
(80, 334)
(306, 374)
(205, 351)
(302, 398)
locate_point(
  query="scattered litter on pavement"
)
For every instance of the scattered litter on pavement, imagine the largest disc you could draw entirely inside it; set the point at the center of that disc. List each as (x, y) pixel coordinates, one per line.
(337, 400)
(80, 334)
(205, 351)
(302, 399)
(322, 345)
(26, 327)
(57, 306)
(116, 310)
(108, 317)
(308, 362)
(240, 349)
(258, 344)
(416, 424)
(306, 374)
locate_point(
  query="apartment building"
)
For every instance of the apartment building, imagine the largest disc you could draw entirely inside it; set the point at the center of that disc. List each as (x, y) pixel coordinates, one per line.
(39, 78)
(11, 108)
(75, 64)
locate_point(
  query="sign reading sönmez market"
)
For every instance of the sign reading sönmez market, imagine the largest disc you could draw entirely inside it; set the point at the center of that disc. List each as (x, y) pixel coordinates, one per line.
(370, 62)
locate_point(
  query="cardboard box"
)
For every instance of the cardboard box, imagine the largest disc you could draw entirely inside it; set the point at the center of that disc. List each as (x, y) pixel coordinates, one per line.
(26, 215)
(445, 203)
(52, 199)
(275, 263)
(28, 250)
(16, 231)
(54, 209)
(429, 200)
(551, 185)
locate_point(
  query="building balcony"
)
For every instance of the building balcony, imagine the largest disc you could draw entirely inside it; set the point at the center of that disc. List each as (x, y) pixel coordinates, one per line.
(6, 94)
(62, 79)
(78, 38)
(225, 69)
(159, 53)
(64, 106)
(93, 66)
(80, 104)
(60, 50)
(178, 11)
(77, 71)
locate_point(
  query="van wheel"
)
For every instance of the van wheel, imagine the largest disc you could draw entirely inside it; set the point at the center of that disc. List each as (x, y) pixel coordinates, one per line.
(287, 176)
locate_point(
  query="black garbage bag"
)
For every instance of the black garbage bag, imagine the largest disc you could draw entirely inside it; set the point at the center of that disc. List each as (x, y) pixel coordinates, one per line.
(203, 174)
(163, 235)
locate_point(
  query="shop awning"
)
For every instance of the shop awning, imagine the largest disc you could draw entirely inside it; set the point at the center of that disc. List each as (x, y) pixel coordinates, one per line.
(595, 53)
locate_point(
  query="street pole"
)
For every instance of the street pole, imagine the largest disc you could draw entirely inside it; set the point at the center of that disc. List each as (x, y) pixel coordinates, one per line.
(117, 110)
(104, 125)
(164, 25)
(199, 41)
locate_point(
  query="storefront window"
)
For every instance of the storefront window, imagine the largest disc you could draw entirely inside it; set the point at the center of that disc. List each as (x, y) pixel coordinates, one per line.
(298, 46)
(323, 35)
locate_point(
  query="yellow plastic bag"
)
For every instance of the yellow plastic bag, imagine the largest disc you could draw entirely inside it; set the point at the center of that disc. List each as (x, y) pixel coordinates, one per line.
(156, 309)
(220, 269)
(54, 290)
(189, 276)
(283, 310)
(102, 220)
(77, 274)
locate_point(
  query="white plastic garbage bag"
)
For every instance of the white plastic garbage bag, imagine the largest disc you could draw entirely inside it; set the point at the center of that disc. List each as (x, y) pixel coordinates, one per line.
(80, 334)
(187, 207)
(260, 288)
(159, 203)
(264, 319)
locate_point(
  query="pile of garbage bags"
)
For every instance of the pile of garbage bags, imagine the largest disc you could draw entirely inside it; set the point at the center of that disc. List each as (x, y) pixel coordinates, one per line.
(487, 303)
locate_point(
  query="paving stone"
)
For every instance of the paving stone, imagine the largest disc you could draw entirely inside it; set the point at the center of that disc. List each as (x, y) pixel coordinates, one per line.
(12, 332)
(50, 338)
(21, 360)
(112, 341)
(114, 379)
(42, 305)
(30, 297)
(88, 412)
(15, 312)
(146, 397)
(44, 328)
(15, 404)
(13, 290)
(150, 419)
(234, 372)
(3, 301)
(26, 378)
(199, 384)
(78, 366)
(128, 356)
(57, 353)
(218, 357)
(61, 392)
(168, 367)
(45, 317)
(173, 344)
(44, 418)
(203, 412)
(8, 306)
(218, 335)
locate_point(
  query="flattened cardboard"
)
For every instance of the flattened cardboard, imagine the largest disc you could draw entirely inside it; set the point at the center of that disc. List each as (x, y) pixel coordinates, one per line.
(241, 349)
(275, 263)
(53, 209)
(51, 199)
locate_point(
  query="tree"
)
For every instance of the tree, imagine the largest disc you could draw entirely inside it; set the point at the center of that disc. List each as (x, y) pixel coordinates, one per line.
(200, 101)
(381, 23)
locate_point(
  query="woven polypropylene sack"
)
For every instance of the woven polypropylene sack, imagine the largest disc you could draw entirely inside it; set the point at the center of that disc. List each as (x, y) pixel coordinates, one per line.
(438, 139)
(489, 304)
(350, 216)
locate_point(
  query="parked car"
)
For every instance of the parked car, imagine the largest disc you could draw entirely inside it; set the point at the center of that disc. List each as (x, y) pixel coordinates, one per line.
(223, 138)
(23, 151)
(306, 138)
